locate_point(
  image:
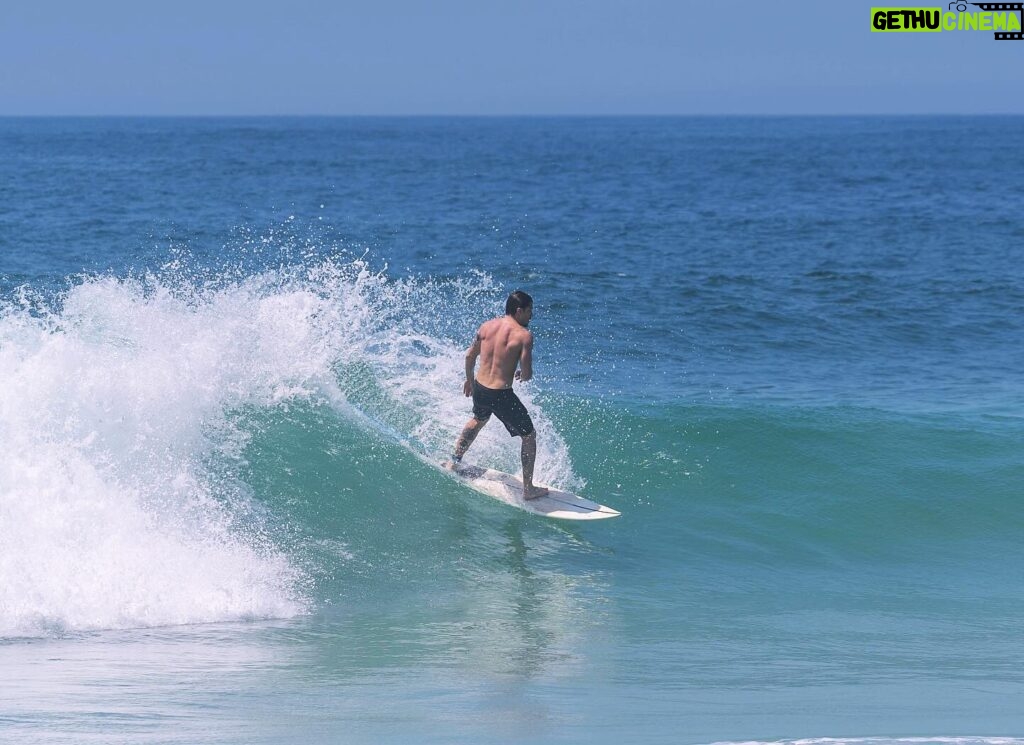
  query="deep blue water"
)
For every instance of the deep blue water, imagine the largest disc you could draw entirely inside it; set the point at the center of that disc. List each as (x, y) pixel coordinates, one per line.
(787, 349)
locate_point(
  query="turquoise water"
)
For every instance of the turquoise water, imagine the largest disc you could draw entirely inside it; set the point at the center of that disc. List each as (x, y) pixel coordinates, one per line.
(788, 350)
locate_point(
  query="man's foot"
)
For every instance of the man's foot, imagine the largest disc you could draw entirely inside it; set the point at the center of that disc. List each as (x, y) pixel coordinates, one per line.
(451, 465)
(533, 492)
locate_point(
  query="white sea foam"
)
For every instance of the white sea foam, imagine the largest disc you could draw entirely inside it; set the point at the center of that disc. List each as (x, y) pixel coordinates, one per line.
(115, 398)
(108, 517)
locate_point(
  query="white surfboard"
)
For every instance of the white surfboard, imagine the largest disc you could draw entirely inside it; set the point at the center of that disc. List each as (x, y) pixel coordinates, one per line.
(507, 488)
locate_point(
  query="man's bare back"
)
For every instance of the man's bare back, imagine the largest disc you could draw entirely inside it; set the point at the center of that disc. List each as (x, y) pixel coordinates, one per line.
(503, 344)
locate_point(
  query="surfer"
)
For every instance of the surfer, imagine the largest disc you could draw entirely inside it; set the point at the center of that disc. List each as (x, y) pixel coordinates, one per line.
(502, 344)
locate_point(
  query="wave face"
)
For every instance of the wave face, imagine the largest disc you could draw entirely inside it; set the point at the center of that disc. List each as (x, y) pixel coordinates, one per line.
(192, 446)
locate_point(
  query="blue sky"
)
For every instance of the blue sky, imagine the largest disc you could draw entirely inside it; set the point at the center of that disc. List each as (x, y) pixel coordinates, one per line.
(491, 57)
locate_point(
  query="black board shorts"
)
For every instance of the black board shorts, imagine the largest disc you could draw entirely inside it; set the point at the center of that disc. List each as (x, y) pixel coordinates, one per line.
(504, 404)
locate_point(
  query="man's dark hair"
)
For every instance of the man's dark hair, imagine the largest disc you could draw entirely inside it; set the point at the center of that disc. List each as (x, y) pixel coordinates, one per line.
(517, 300)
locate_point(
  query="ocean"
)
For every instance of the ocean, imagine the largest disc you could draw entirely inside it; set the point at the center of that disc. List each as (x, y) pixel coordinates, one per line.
(788, 350)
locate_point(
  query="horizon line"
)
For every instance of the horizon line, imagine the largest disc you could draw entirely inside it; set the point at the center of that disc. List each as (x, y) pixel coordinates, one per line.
(634, 115)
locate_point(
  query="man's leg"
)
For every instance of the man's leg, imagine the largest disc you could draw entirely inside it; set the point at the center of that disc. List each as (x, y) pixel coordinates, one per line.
(469, 433)
(529, 456)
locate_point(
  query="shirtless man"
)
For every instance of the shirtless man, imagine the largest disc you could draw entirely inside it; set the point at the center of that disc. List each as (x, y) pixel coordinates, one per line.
(502, 344)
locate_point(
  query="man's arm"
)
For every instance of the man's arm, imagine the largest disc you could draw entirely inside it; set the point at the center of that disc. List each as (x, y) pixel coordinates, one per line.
(471, 354)
(526, 359)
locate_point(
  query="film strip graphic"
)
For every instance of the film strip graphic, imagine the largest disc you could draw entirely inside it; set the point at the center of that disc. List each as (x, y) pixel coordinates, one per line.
(1005, 35)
